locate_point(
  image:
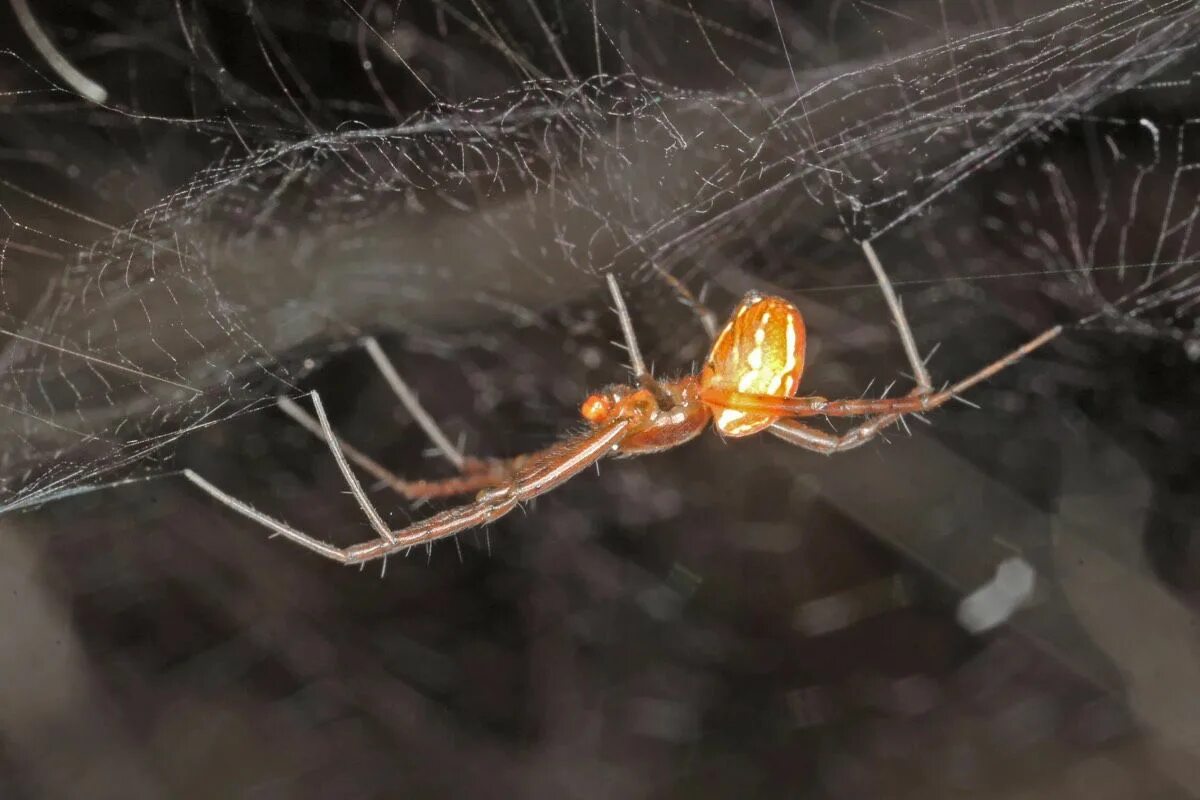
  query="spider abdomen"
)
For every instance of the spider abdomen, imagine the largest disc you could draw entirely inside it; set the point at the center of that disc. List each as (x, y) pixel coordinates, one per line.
(759, 351)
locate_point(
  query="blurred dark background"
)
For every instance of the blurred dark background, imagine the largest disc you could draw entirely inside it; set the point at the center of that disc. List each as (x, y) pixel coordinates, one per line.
(730, 619)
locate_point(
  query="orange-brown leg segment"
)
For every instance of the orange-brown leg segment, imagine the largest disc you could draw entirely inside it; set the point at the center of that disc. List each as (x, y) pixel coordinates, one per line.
(784, 407)
(539, 474)
(882, 411)
(536, 475)
(819, 441)
(477, 474)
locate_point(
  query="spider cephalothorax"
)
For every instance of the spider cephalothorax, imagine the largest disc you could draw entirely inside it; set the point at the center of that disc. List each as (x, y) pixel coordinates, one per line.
(759, 352)
(661, 415)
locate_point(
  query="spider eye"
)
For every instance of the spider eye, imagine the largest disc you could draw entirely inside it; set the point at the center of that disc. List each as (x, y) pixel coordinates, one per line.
(596, 408)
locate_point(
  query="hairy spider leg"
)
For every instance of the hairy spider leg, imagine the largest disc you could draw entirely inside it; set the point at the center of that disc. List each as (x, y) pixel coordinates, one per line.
(369, 465)
(267, 521)
(920, 372)
(889, 409)
(802, 435)
(637, 365)
(325, 432)
(408, 398)
(538, 476)
(475, 474)
(479, 474)
(797, 433)
(708, 319)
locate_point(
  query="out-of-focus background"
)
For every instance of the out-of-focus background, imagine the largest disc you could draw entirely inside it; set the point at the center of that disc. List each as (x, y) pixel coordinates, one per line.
(999, 603)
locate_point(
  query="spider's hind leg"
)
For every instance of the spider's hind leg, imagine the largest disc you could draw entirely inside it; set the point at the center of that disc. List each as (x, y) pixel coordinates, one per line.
(637, 365)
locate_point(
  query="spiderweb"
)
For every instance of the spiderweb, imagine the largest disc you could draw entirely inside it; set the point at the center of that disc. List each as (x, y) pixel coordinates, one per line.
(265, 183)
(394, 189)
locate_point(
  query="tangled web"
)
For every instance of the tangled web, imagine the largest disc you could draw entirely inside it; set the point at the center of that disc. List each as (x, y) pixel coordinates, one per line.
(510, 162)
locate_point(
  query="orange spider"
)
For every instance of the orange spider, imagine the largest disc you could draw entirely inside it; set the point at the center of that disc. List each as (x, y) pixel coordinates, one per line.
(747, 385)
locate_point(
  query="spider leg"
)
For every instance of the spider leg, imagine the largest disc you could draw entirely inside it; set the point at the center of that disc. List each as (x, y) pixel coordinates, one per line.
(919, 370)
(267, 521)
(369, 465)
(882, 412)
(356, 488)
(810, 438)
(476, 473)
(914, 402)
(537, 475)
(708, 320)
(409, 399)
(636, 364)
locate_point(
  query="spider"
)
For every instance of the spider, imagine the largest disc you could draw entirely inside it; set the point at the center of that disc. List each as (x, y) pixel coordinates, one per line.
(747, 385)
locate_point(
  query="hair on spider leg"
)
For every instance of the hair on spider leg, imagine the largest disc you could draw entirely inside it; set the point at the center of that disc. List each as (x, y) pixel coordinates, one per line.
(408, 398)
(907, 340)
(636, 364)
(965, 402)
